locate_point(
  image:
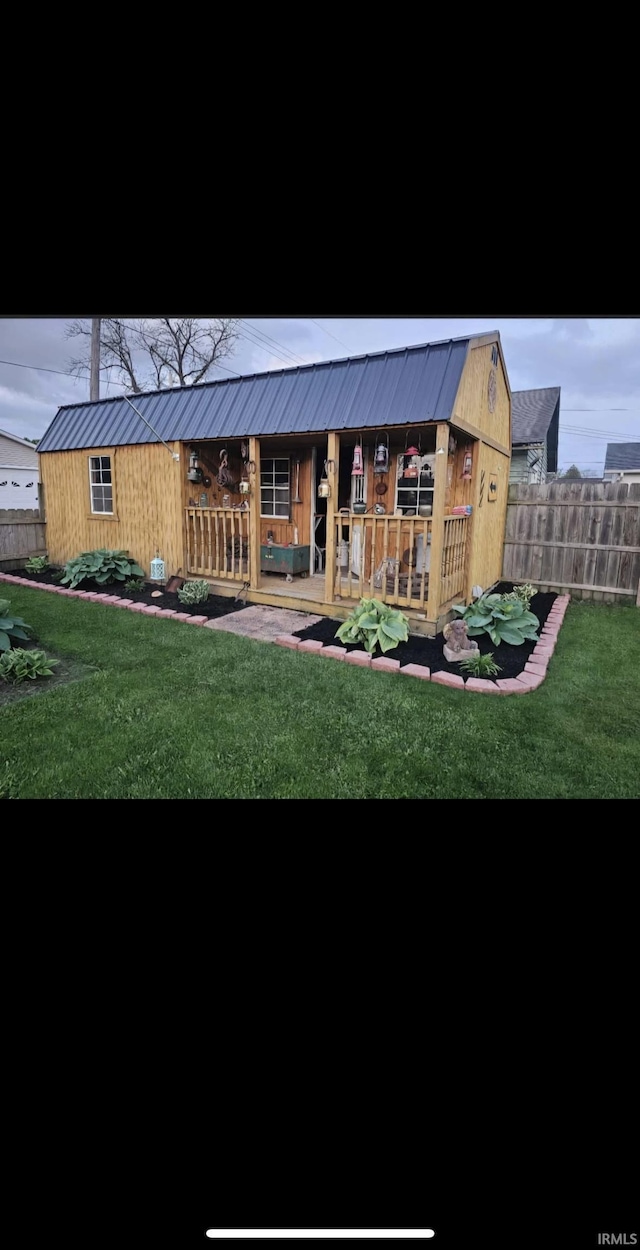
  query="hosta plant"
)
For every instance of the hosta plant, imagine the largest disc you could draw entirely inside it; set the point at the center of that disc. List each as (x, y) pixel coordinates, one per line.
(19, 665)
(521, 594)
(36, 564)
(481, 665)
(10, 626)
(101, 566)
(194, 592)
(504, 620)
(374, 624)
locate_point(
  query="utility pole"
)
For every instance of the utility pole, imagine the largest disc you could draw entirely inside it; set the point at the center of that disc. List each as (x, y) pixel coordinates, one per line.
(94, 385)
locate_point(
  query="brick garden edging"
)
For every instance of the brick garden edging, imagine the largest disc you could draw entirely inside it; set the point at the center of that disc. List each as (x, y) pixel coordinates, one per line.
(532, 676)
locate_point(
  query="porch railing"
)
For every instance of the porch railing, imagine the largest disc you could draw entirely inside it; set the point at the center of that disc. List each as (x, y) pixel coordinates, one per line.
(454, 553)
(383, 557)
(218, 542)
(389, 558)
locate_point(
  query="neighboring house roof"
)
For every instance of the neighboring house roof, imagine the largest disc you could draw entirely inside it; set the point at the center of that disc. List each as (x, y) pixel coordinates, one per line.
(622, 456)
(535, 418)
(403, 386)
(532, 413)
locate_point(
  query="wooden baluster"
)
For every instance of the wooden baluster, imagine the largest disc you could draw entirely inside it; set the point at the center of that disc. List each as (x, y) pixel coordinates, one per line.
(396, 581)
(224, 542)
(412, 539)
(372, 562)
(385, 553)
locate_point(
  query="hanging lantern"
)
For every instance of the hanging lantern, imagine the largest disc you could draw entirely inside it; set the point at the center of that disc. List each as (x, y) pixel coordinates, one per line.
(195, 473)
(467, 465)
(381, 459)
(411, 462)
(244, 486)
(324, 489)
(357, 468)
(157, 569)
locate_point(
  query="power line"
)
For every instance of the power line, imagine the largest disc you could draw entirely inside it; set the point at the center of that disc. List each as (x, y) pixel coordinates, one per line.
(255, 341)
(63, 372)
(333, 336)
(263, 334)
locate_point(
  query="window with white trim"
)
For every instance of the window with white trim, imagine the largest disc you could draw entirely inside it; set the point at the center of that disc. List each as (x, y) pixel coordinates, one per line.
(100, 484)
(275, 489)
(413, 493)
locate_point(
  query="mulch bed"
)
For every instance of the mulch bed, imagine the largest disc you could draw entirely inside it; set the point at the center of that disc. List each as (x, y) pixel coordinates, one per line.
(214, 606)
(428, 651)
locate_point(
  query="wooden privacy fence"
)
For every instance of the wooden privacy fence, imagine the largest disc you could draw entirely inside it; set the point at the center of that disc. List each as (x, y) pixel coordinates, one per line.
(582, 537)
(22, 534)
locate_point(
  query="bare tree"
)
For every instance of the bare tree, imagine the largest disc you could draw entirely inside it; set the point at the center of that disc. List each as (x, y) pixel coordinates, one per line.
(154, 354)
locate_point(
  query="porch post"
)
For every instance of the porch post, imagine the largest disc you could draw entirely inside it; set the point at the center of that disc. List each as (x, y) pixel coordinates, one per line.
(333, 454)
(437, 526)
(254, 515)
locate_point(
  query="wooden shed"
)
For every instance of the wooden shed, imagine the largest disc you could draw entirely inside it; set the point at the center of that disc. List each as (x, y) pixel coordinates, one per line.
(384, 474)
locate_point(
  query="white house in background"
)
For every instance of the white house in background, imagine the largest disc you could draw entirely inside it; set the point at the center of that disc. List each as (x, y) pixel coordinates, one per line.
(622, 462)
(19, 472)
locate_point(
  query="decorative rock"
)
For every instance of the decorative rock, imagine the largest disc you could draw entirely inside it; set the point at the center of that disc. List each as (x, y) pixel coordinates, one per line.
(156, 594)
(361, 658)
(447, 679)
(417, 670)
(334, 653)
(310, 644)
(452, 657)
(385, 664)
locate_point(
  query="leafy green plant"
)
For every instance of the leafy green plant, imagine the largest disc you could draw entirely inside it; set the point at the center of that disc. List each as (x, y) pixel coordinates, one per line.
(58, 575)
(481, 665)
(18, 665)
(36, 564)
(374, 624)
(194, 592)
(521, 594)
(101, 566)
(503, 619)
(10, 626)
(134, 583)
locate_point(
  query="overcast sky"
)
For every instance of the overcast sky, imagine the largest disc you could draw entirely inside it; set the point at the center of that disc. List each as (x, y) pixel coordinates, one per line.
(595, 362)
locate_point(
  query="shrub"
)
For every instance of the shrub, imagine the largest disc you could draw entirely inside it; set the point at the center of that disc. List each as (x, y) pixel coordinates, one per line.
(134, 583)
(18, 665)
(194, 592)
(100, 566)
(503, 619)
(36, 564)
(10, 626)
(374, 624)
(481, 665)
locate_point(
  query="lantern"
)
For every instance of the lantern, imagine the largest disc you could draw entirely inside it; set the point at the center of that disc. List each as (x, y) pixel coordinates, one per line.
(411, 462)
(357, 469)
(157, 569)
(195, 473)
(466, 467)
(381, 459)
(244, 486)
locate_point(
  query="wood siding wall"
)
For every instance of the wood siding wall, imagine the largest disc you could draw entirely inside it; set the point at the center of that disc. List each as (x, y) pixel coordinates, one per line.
(578, 537)
(472, 401)
(487, 532)
(147, 501)
(529, 465)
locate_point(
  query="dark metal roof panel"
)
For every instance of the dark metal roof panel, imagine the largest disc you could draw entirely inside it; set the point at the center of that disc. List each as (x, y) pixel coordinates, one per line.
(622, 456)
(398, 387)
(531, 414)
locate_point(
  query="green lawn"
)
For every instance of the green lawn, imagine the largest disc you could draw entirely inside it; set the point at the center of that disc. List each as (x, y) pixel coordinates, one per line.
(173, 711)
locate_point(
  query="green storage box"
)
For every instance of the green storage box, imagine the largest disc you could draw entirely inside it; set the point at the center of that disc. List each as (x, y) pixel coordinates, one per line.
(277, 559)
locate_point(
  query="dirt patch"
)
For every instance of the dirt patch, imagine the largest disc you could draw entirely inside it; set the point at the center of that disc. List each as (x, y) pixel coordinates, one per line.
(67, 670)
(428, 651)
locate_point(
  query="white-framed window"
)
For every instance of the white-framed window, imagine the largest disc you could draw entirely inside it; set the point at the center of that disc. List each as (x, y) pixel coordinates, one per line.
(416, 492)
(275, 487)
(100, 484)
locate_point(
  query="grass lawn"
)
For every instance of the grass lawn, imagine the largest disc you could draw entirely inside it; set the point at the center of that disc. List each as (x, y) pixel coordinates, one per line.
(173, 711)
